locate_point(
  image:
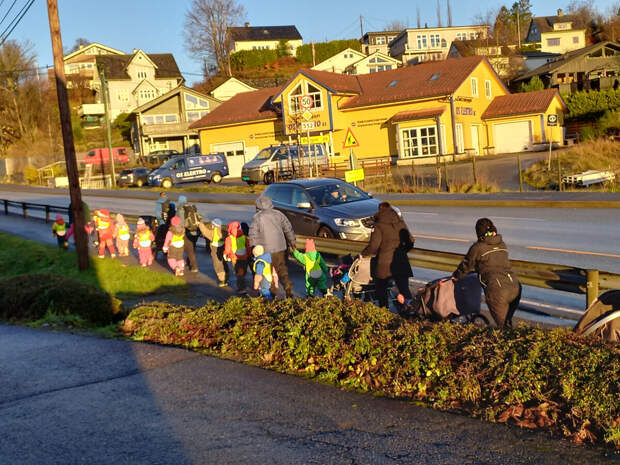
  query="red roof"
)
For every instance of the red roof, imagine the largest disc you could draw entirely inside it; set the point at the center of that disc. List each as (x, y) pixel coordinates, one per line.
(246, 106)
(417, 114)
(521, 103)
(337, 82)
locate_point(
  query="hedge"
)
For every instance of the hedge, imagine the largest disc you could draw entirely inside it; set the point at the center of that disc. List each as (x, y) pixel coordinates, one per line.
(325, 50)
(525, 376)
(590, 106)
(252, 59)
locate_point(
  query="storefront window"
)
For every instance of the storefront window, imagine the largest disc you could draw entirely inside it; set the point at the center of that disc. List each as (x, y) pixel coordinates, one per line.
(419, 142)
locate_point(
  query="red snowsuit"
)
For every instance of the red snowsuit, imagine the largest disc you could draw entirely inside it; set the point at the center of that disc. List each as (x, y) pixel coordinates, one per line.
(105, 231)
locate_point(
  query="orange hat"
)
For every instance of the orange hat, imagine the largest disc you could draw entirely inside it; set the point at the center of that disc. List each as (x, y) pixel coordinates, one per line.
(175, 221)
(104, 213)
(310, 246)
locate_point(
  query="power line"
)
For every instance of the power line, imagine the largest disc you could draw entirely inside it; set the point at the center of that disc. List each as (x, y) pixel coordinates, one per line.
(5, 35)
(8, 11)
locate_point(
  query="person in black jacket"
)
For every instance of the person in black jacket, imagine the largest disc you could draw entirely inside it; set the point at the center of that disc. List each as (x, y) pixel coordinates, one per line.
(489, 258)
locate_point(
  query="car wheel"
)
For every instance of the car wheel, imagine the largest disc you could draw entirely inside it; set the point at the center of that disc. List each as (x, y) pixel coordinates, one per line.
(139, 183)
(268, 178)
(325, 232)
(216, 178)
(166, 183)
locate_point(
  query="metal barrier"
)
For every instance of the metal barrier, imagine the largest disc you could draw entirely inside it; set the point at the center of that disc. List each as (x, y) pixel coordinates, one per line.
(542, 275)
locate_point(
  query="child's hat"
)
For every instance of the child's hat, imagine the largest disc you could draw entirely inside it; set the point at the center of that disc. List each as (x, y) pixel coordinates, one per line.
(216, 222)
(58, 217)
(175, 221)
(258, 250)
(104, 212)
(310, 246)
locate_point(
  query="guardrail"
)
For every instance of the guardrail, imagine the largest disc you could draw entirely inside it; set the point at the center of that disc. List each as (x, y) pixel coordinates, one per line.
(542, 275)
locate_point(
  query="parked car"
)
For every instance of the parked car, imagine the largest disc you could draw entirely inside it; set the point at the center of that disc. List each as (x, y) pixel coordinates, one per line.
(158, 157)
(102, 156)
(325, 207)
(134, 177)
(283, 159)
(192, 168)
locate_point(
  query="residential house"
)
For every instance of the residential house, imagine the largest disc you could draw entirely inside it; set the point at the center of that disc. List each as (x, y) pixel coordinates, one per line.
(373, 63)
(593, 67)
(534, 59)
(163, 122)
(229, 88)
(80, 65)
(339, 62)
(505, 61)
(556, 34)
(136, 79)
(378, 42)
(264, 37)
(416, 114)
(413, 46)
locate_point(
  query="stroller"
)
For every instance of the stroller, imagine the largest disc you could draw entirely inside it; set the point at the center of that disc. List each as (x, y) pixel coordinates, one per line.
(352, 279)
(602, 318)
(445, 299)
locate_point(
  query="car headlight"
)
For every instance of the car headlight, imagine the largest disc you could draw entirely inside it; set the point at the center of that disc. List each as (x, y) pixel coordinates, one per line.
(346, 222)
(264, 168)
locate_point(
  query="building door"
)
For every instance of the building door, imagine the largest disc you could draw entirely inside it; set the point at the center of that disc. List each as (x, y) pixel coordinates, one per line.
(459, 138)
(235, 155)
(475, 139)
(512, 137)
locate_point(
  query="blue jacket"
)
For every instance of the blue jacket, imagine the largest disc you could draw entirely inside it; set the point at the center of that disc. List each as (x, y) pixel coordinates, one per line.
(158, 205)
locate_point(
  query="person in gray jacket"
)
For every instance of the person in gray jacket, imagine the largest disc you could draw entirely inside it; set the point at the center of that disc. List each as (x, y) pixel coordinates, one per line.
(272, 229)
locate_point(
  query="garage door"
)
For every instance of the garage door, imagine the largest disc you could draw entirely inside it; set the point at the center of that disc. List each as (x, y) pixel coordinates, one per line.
(512, 137)
(235, 155)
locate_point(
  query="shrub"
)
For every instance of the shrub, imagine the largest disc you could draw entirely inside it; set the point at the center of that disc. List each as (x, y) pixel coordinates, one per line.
(590, 106)
(31, 174)
(526, 376)
(30, 297)
(252, 59)
(324, 50)
(534, 84)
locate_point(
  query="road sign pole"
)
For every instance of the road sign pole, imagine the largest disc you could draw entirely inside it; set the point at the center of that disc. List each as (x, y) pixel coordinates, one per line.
(549, 160)
(309, 157)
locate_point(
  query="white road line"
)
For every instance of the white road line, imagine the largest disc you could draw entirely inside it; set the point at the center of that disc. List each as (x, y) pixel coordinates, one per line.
(518, 218)
(420, 213)
(555, 307)
(578, 252)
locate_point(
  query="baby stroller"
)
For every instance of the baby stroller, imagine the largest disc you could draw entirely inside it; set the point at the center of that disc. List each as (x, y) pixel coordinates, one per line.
(602, 318)
(445, 299)
(352, 279)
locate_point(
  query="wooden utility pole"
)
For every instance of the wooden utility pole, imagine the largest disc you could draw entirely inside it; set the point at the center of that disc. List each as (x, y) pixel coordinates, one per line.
(75, 193)
(106, 107)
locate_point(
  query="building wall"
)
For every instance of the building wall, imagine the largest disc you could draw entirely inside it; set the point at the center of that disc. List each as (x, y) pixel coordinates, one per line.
(266, 45)
(562, 41)
(229, 89)
(364, 66)
(339, 62)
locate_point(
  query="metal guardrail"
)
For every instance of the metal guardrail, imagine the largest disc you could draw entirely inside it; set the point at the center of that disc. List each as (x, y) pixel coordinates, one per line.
(543, 275)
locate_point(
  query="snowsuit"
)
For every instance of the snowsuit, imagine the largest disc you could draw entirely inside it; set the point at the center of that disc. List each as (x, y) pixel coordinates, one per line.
(316, 270)
(173, 246)
(142, 241)
(105, 231)
(60, 230)
(215, 236)
(265, 277)
(123, 234)
(236, 250)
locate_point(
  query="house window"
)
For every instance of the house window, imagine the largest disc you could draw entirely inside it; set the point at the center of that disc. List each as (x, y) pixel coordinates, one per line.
(487, 89)
(575, 40)
(419, 142)
(474, 87)
(472, 35)
(380, 40)
(146, 94)
(421, 41)
(461, 36)
(141, 74)
(196, 115)
(315, 93)
(304, 88)
(293, 99)
(123, 95)
(171, 119)
(146, 120)
(435, 40)
(553, 42)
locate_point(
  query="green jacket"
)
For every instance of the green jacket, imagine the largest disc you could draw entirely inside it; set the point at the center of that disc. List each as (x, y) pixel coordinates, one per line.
(313, 263)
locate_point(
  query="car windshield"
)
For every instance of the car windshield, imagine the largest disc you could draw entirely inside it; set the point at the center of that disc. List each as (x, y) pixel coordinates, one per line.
(264, 154)
(125, 172)
(336, 194)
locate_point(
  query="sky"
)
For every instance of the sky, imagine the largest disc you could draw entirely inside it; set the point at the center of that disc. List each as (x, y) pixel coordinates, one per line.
(156, 26)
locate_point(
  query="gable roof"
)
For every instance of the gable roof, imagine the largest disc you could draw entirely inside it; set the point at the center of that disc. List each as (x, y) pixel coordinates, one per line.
(115, 66)
(378, 54)
(545, 23)
(468, 48)
(258, 33)
(334, 82)
(360, 55)
(92, 45)
(232, 80)
(246, 106)
(167, 95)
(522, 103)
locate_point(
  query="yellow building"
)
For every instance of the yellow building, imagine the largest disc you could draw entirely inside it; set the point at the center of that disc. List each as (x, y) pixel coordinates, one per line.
(264, 37)
(413, 114)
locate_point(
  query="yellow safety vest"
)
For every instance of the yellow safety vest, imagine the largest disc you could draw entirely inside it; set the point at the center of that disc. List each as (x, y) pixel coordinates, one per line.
(144, 238)
(60, 229)
(313, 267)
(123, 233)
(237, 244)
(217, 238)
(178, 240)
(266, 271)
(102, 224)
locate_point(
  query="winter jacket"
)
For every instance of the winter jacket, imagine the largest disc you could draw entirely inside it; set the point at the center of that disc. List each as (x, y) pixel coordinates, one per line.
(489, 258)
(314, 265)
(158, 206)
(143, 237)
(237, 245)
(270, 228)
(180, 211)
(175, 241)
(384, 241)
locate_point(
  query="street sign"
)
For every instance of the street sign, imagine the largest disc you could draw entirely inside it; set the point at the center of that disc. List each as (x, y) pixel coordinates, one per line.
(307, 115)
(306, 101)
(350, 140)
(552, 120)
(307, 125)
(354, 175)
(320, 139)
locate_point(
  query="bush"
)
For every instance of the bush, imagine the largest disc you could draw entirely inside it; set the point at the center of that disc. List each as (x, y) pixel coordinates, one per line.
(526, 376)
(252, 59)
(30, 297)
(590, 106)
(31, 175)
(534, 84)
(325, 50)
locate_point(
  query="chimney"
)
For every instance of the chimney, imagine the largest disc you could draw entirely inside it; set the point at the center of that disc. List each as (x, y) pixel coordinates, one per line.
(560, 12)
(134, 51)
(247, 24)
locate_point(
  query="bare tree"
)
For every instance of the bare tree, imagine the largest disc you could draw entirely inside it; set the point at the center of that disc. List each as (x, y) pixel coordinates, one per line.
(79, 43)
(449, 8)
(438, 14)
(395, 25)
(488, 18)
(206, 29)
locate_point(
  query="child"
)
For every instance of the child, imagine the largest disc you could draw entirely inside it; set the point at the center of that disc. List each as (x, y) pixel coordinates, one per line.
(174, 245)
(236, 250)
(264, 275)
(214, 234)
(122, 236)
(105, 231)
(59, 230)
(142, 241)
(316, 269)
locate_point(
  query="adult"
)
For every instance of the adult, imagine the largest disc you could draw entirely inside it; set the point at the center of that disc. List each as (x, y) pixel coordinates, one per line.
(489, 258)
(334, 196)
(271, 229)
(191, 232)
(158, 206)
(390, 238)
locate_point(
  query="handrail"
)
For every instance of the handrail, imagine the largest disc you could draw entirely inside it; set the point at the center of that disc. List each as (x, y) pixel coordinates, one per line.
(543, 275)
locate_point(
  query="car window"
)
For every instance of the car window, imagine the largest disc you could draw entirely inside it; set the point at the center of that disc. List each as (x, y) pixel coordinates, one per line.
(280, 193)
(264, 154)
(299, 196)
(179, 165)
(336, 193)
(281, 154)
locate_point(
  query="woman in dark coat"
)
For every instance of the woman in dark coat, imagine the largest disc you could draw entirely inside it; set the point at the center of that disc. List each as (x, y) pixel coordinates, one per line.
(390, 241)
(489, 258)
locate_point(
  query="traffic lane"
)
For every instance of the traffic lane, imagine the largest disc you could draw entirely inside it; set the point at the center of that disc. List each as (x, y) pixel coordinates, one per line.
(109, 402)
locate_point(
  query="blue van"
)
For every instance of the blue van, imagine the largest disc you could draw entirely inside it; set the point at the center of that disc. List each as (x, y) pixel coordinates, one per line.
(190, 168)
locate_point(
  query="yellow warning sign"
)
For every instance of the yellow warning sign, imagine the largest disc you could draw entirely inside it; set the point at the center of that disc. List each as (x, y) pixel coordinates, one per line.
(350, 140)
(354, 175)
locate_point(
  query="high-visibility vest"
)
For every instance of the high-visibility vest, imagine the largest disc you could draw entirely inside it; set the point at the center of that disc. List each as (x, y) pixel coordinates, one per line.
(178, 240)
(266, 271)
(60, 229)
(237, 244)
(217, 238)
(123, 232)
(101, 223)
(144, 238)
(313, 267)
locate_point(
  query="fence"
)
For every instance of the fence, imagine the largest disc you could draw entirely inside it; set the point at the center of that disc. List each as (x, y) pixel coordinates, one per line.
(372, 168)
(542, 275)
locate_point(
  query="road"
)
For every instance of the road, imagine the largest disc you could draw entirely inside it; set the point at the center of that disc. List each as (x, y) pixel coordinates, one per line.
(69, 399)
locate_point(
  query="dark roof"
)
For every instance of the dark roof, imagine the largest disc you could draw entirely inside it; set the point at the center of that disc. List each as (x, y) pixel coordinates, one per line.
(539, 54)
(167, 95)
(520, 104)
(468, 48)
(545, 23)
(246, 106)
(252, 33)
(115, 66)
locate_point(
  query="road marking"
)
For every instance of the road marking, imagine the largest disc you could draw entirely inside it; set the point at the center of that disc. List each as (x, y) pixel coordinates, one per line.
(420, 213)
(437, 238)
(552, 306)
(579, 252)
(520, 218)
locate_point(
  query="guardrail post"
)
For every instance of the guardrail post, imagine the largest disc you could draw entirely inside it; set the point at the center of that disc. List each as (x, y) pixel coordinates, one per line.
(591, 287)
(25, 209)
(47, 214)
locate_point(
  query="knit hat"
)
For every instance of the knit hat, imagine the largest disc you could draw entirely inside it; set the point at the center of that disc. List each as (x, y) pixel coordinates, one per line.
(182, 199)
(104, 213)
(310, 246)
(258, 250)
(58, 217)
(216, 222)
(483, 226)
(175, 221)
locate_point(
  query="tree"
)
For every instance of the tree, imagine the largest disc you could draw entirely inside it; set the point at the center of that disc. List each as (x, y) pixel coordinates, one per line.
(587, 17)
(206, 29)
(534, 84)
(79, 43)
(283, 49)
(395, 25)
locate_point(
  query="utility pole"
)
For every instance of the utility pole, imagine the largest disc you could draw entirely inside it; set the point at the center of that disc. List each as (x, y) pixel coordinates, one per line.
(75, 193)
(361, 28)
(104, 90)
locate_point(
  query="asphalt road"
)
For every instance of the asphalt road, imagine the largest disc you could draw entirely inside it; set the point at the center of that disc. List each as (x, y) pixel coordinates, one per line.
(68, 399)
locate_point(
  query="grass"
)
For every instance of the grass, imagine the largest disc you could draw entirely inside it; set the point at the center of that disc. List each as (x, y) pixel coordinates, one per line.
(29, 257)
(598, 154)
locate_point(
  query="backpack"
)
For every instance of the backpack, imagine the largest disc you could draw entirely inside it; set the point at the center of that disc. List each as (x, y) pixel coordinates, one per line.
(192, 217)
(167, 211)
